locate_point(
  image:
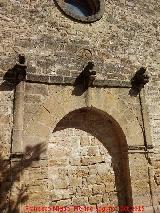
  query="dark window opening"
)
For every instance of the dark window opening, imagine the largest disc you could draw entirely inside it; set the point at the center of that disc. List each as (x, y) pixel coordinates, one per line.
(81, 8)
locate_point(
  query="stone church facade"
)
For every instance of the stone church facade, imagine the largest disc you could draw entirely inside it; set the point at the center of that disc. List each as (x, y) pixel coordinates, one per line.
(79, 105)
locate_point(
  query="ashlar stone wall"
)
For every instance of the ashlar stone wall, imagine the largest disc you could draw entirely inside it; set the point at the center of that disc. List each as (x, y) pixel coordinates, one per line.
(88, 160)
(80, 166)
(56, 47)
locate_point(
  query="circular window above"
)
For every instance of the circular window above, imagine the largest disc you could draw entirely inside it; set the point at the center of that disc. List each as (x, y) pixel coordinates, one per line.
(83, 10)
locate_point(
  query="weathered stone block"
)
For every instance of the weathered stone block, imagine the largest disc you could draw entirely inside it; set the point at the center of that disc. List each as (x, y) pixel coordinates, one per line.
(80, 201)
(84, 192)
(84, 141)
(99, 189)
(75, 181)
(95, 199)
(94, 150)
(61, 184)
(36, 89)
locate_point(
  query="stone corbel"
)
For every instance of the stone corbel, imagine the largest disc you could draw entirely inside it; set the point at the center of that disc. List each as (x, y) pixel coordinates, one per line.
(140, 79)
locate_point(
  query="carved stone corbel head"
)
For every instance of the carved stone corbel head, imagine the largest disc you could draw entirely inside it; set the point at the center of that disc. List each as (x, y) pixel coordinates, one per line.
(140, 78)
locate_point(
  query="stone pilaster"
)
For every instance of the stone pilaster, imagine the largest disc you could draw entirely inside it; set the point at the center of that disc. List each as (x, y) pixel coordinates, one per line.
(18, 118)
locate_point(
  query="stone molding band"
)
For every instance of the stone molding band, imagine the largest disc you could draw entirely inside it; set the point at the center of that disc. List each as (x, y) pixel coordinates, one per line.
(60, 80)
(34, 78)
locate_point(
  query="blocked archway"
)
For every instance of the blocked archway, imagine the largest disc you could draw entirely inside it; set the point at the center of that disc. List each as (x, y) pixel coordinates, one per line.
(105, 103)
(88, 161)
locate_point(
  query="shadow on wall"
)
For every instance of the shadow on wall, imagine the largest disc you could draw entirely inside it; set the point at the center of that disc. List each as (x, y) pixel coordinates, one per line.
(10, 174)
(7, 86)
(8, 83)
(100, 125)
(84, 80)
(14, 75)
(138, 81)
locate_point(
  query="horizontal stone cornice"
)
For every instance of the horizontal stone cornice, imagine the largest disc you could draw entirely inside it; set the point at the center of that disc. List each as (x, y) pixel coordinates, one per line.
(34, 78)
